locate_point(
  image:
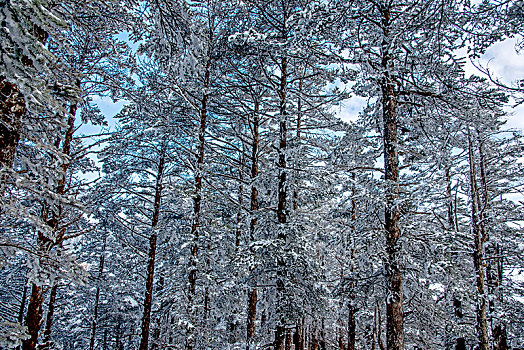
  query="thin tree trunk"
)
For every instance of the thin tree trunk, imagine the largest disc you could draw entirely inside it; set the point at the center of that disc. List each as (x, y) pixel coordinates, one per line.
(253, 293)
(478, 255)
(22, 305)
(197, 202)
(298, 337)
(451, 210)
(282, 202)
(351, 327)
(97, 299)
(148, 299)
(393, 263)
(242, 162)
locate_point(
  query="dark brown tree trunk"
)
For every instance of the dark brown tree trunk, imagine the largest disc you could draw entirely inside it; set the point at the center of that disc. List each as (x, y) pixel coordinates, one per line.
(393, 263)
(253, 293)
(242, 161)
(298, 337)
(460, 344)
(49, 318)
(282, 202)
(288, 340)
(12, 109)
(148, 299)
(97, 299)
(251, 317)
(34, 311)
(33, 320)
(500, 337)
(478, 255)
(197, 202)
(351, 327)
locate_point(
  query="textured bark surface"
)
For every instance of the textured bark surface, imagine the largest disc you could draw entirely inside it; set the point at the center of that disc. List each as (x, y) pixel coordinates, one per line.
(33, 320)
(148, 298)
(393, 263)
(197, 202)
(253, 293)
(12, 108)
(282, 203)
(45, 244)
(352, 332)
(97, 300)
(478, 255)
(49, 318)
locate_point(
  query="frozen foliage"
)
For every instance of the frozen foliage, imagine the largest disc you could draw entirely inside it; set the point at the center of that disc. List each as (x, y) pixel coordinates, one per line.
(227, 206)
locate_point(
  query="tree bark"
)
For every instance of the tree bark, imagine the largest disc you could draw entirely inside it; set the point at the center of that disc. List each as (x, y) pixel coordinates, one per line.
(33, 320)
(49, 318)
(12, 109)
(253, 293)
(34, 310)
(192, 274)
(478, 255)
(148, 298)
(282, 203)
(393, 263)
(351, 327)
(97, 299)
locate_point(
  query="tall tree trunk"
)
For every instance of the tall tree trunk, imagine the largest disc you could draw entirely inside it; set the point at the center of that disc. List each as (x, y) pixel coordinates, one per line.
(148, 299)
(393, 263)
(97, 300)
(253, 293)
(281, 205)
(197, 202)
(478, 255)
(49, 318)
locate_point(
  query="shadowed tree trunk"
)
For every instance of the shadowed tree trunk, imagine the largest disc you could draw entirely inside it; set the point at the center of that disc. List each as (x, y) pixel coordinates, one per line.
(34, 309)
(197, 202)
(97, 300)
(282, 202)
(12, 108)
(148, 299)
(253, 293)
(49, 319)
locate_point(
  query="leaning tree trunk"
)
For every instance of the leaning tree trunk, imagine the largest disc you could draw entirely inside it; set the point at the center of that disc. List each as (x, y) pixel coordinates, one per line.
(148, 299)
(393, 263)
(478, 254)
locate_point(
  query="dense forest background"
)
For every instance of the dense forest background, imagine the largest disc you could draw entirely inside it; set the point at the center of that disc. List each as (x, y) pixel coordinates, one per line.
(227, 205)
